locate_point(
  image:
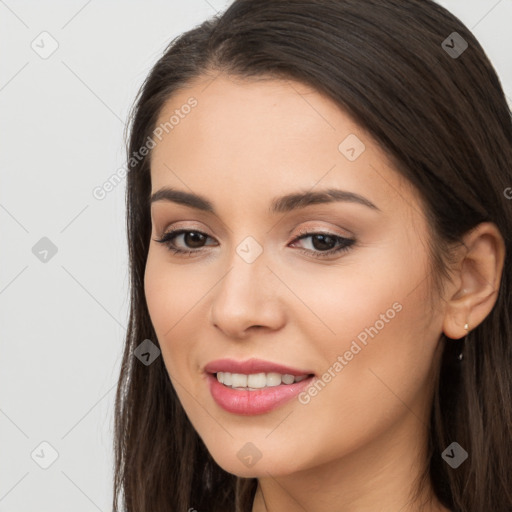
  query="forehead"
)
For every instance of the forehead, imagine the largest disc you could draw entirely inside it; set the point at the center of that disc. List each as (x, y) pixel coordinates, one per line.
(259, 138)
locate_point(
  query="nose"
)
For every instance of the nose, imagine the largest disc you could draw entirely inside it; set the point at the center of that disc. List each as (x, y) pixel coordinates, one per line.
(247, 299)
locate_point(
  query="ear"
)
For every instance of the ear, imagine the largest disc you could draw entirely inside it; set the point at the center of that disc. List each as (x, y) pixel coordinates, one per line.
(476, 280)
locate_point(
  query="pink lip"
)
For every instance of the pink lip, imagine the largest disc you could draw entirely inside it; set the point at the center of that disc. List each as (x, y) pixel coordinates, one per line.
(245, 402)
(252, 366)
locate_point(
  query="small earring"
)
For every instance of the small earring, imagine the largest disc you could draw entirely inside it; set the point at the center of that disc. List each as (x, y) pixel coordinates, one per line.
(460, 357)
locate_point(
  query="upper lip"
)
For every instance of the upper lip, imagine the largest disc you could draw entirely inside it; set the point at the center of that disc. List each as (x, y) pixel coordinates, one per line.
(252, 366)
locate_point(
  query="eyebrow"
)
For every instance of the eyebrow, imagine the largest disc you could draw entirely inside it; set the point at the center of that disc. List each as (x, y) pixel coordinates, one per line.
(281, 204)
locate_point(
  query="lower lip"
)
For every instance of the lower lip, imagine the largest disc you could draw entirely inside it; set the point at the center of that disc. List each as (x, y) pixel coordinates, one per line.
(245, 402)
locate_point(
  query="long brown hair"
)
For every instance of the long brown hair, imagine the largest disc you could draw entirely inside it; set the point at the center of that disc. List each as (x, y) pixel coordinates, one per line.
(443, 119)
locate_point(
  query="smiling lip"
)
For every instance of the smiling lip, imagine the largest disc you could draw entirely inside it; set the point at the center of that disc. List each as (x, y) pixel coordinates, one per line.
(246, 402)
(252, 366)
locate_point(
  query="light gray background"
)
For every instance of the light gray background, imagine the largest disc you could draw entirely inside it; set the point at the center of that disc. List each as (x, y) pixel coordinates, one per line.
(61, 135)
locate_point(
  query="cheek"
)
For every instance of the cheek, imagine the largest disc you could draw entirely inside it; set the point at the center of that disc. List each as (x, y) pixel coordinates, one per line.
(169, 297)
(377, 385)
(374, 295)
(369, 332)
(177, 300)
(161, 296)
(377, 313)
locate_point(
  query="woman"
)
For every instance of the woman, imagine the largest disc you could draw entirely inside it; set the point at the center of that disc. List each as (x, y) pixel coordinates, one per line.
(319, 239)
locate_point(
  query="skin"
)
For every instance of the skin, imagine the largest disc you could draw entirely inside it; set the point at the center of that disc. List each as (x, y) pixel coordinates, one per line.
(359, 444)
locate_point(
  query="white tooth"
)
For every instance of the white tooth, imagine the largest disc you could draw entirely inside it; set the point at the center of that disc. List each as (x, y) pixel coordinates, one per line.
(273, 379)
(287, 378)
(256, 380)
(238, 380)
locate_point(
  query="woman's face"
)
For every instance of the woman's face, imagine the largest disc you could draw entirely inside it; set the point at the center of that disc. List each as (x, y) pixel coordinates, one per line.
(252, 288)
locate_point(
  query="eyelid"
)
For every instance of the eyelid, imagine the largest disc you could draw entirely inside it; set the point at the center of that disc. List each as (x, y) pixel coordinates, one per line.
(325, 230)
(173, 226)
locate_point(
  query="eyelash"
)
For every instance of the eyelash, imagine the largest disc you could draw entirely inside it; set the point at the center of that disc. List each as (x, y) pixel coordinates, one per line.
(347, 243)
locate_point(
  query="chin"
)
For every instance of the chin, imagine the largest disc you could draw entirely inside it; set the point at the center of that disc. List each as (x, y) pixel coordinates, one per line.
(263, 467)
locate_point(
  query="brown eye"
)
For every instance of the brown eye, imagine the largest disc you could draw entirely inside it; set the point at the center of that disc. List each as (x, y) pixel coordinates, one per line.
(324, 244)
(194, 239)
(191, 239)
